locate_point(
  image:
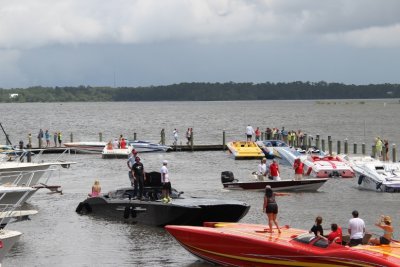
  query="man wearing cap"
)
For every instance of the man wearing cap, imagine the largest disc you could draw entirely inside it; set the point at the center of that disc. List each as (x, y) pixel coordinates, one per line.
(130, 162)
(138, 175)
(166, 184)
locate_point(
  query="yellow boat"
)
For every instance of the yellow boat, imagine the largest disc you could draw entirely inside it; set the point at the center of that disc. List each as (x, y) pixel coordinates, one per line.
(245, 150)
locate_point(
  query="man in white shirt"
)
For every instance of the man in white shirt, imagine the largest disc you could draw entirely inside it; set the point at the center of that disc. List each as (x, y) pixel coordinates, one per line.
(262, 169)
(356, 229)
(249, 132)
(166, 184)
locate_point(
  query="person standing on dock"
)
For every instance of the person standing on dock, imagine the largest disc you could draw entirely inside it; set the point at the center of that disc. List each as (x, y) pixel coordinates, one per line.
(175, 136)
(249, 132)
(166, 184)
(188, 135)
(55, 136)
(47, 137)
(378, 147)
(258, 134)
(40, 138)
(59, 138)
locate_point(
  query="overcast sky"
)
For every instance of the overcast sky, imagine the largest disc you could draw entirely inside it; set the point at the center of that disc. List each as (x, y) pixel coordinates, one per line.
(161, 42)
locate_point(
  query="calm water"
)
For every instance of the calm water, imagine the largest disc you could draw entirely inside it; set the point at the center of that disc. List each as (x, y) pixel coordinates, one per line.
(57, 236)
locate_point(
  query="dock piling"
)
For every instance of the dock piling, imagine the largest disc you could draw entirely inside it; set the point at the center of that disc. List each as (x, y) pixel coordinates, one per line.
(363, 148)
(71, 137)
(354, 149)
(330, 146)
(323, 145)
(373, 154)
(394, 153)
(339, 147)
(223, 141)
(134, 136)
(346, 147)
(101, 137)
(317, 141)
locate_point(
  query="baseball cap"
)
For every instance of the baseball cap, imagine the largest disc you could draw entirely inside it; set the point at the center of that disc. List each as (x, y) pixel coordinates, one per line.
(165, 162)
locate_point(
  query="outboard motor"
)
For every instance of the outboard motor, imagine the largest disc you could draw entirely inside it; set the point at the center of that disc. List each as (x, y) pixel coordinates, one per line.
(227, 177)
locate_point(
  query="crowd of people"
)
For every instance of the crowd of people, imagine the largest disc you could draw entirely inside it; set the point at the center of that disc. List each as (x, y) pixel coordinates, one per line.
(46, 136)
(290, 137)
(356, 226)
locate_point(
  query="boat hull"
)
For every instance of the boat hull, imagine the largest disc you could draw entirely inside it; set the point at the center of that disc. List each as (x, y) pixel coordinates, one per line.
(181, 211)
(245, 150)
(8, 238)
(283, 185)
(250, 245)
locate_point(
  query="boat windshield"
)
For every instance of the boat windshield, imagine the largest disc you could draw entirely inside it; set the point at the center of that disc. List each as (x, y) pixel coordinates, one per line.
(309, 238)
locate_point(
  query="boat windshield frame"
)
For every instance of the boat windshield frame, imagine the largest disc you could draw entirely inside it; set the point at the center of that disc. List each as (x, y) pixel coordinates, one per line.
(311, 239)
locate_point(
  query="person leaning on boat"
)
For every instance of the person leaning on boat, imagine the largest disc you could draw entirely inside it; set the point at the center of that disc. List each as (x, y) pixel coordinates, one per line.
(356, 229)
(263, 169)
(274, 170)
(298, 167)
(385, 224)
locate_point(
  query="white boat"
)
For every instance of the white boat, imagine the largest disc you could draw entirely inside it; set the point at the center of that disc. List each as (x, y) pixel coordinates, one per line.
(7, 238)
(86, 147)
(28, 173)
(376, 175)
(145, 146)
(327, 166)
(97, 147)
(116, 153)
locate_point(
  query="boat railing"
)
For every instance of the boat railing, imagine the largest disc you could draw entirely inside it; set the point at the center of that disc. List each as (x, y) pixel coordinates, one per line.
(19, 156)
(26, 177)
(6, 210)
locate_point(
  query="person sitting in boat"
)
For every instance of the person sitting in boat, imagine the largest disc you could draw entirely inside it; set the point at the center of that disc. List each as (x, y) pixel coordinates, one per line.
(274, 170)
(336, 234)
(109, 145)
(96, 189)
(317, 227)
(115, 144)
(298, 167)
(385, 223)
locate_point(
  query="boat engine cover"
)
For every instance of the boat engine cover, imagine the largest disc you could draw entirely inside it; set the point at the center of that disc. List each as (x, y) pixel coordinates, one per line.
(227, 177)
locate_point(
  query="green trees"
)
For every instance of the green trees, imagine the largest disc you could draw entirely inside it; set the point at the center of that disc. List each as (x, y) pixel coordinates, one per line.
(203, 92)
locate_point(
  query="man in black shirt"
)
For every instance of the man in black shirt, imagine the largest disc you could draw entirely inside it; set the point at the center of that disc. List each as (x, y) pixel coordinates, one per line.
(138, 174)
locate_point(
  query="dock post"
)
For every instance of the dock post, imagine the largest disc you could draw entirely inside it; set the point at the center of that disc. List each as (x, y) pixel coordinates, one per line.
(40, 142)
(305, 139)
(330, 147)
(323, 145)
(394, 153)
(363, 148)
(339, 147)
(223, 141)
(317, 141)
(30, 140)
(71, 137)
(134, 136)
(346, 147)
(373, 151)
(28, 155)
(354, 149)
(191, 140)
(162, 141)
(101, 137)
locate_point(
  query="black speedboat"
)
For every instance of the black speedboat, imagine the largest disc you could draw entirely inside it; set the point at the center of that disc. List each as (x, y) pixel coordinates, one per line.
(121, 205)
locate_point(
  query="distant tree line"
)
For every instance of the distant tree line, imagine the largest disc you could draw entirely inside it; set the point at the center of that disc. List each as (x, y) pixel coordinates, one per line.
(203, 92)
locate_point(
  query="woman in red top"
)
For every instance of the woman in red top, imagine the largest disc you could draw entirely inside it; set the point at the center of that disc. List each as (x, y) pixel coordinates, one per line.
(123, 143)
(258, 134)
(298, 167)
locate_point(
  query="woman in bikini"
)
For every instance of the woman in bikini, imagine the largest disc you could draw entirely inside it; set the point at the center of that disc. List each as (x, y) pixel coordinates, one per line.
(386, 224)
(270, 207)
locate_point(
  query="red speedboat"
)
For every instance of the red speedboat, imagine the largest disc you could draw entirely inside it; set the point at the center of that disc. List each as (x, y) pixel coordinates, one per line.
(236, 244)
(327, 166)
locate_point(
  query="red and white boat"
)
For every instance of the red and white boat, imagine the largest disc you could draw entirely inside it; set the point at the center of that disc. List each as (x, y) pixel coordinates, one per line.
(236, 244)
(327, 166)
